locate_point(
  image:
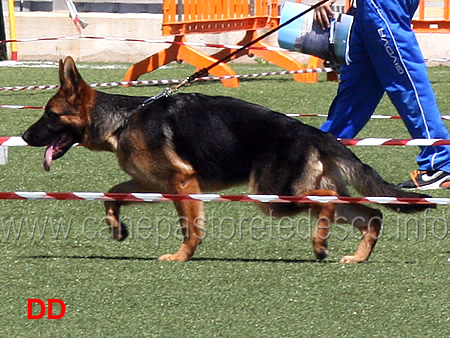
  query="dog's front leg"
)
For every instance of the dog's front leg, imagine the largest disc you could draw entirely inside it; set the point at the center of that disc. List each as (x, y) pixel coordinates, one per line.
(191, 220)
(112, 208)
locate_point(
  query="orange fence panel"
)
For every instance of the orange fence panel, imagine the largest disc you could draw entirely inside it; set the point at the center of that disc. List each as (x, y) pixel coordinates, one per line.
(433, 17)
(184, 17)
(216, 16)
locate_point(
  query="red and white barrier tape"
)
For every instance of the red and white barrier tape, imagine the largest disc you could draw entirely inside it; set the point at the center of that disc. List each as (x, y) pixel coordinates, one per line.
(20, 88)
(50, 38)
(443, 59)
(174, 81)
(394, 142)
(12, 141)
(17, 106)
(17, 141)
(157, 197)
(155, 41)
(106, 84)
(375, 116)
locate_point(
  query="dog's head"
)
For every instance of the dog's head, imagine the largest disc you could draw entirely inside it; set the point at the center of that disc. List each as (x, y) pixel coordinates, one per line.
(66, 115)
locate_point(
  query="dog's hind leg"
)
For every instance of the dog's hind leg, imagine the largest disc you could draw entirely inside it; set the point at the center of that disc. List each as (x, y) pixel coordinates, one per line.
(325, 214)
(119, 230)
(368, 221)
(192, 218)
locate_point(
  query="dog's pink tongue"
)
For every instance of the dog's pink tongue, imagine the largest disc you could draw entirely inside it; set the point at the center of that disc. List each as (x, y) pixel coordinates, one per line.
(48, 158)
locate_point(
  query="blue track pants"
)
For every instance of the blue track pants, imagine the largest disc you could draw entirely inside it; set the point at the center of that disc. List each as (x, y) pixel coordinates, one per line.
(385, 57)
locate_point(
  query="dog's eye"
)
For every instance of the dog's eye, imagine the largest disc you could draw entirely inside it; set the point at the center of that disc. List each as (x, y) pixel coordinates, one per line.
(52, 114)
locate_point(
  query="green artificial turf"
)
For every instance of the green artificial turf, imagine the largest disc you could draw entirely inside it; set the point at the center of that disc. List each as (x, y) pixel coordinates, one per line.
(246, 279)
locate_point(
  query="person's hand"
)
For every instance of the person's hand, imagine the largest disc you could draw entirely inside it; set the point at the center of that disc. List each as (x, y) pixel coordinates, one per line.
(323, 13)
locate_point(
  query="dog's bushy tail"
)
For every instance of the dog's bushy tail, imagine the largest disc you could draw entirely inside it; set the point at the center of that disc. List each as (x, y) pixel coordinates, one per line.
(369, 183)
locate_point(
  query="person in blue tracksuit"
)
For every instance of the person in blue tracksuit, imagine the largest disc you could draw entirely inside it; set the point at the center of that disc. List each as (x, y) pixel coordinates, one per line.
(384, 56)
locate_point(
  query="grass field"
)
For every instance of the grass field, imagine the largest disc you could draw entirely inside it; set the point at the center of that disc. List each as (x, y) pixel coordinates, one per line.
(248, 282)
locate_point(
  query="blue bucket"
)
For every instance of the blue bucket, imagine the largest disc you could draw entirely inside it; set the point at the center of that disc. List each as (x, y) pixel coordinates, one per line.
(304, 35)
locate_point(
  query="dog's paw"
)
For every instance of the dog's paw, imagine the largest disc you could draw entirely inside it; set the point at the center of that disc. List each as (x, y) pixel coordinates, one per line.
(321, 254)
(351, 259)
(174, 258)
(119, 234)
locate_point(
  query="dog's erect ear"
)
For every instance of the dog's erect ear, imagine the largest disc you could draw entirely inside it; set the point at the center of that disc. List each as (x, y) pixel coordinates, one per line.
(69, 77)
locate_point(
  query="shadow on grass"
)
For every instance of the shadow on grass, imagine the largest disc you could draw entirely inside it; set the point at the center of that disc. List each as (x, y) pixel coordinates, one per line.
(216, 259)
(195, 259)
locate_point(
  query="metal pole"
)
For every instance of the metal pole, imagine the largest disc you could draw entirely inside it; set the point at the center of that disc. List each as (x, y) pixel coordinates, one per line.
(12, 29)
(3, 54)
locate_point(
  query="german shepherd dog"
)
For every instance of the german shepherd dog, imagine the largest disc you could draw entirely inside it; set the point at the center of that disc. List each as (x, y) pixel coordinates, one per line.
(194, 143)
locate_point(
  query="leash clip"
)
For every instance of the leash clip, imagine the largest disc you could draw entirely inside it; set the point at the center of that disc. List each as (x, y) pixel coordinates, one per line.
(166, 93)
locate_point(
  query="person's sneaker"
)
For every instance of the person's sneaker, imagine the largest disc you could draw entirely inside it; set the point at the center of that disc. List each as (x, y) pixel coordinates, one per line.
(427, 180)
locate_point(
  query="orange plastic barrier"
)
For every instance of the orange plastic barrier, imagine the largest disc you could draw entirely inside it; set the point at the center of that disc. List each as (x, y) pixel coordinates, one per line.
(434, 17)
(181, 18)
